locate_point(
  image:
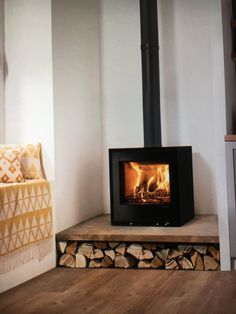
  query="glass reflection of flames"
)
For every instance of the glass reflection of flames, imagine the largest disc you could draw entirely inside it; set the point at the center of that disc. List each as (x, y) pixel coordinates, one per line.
(147, 183)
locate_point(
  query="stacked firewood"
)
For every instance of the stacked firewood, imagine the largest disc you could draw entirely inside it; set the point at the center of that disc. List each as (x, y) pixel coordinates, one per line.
(135, 255)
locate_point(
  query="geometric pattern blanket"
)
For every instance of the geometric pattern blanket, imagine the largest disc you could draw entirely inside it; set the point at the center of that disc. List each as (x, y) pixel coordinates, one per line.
(25, 217)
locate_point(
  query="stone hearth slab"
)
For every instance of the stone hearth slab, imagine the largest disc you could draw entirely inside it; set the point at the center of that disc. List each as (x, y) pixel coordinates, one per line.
(201, 229)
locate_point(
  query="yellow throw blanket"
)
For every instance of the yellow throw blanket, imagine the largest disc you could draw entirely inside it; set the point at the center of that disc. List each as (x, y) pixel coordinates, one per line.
(25, 221)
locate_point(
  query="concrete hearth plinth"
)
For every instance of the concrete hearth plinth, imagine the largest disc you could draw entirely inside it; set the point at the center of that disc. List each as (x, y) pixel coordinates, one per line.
(95, 243)
(201, 229)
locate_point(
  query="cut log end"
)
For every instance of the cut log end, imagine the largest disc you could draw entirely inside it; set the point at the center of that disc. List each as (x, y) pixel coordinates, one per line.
(185, 263)
(146, 254)
(172, 264)
(67, 260)
(97, 253)
(71, 248)
(199, 263)
(135, 250)
(123, 262)
(210, 263)
(61, 245)
(157, 263)
(86, 249)
(144, 264)
(110, 253)
(81, 261)
(95, 263)
(107, 262)
(121, 249)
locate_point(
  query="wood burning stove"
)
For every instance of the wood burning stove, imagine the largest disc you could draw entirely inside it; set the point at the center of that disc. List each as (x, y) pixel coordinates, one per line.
(151, 186)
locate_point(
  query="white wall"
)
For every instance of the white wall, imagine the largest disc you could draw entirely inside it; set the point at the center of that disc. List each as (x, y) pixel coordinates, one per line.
(28, 90)
(230, 74)
(28, 96)
(2, 100)
(121, 79)
(25, 272)
(77, 110)
(192, 88)
(193, 98)
(230, 95)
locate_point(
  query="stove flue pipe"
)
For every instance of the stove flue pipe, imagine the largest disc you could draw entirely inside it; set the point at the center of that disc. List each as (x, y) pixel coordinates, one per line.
(150, 73)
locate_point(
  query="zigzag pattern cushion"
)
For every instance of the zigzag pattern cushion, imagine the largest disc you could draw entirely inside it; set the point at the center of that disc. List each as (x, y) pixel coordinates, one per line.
(10, 167)
(31, 161)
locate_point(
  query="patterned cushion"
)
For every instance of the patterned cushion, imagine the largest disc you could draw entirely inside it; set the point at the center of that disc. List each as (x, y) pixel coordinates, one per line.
(10, 168)
(31, 161)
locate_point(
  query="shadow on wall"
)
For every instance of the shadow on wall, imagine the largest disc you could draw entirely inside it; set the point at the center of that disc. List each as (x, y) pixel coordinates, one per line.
(168, 70)
(234, 118)
(204, 185)
(5, 66)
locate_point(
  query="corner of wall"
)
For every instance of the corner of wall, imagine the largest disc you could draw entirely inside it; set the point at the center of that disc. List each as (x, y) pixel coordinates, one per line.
(28, 95)
(2, 74)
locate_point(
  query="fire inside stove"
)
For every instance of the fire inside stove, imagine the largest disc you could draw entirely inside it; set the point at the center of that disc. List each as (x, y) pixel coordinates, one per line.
(146, 182)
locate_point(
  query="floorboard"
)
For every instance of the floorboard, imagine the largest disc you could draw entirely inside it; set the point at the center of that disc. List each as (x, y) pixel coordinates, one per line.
(108, 291)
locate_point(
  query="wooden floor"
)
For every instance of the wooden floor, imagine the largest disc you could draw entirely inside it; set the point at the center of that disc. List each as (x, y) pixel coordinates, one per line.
(109, 291)
(201, 229)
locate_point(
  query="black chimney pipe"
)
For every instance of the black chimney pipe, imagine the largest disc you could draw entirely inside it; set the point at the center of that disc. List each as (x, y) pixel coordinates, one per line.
(150, 73)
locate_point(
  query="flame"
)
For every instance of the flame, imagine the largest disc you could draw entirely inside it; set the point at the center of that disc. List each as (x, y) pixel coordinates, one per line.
(135, 166)
(163, 180)
(148, 182)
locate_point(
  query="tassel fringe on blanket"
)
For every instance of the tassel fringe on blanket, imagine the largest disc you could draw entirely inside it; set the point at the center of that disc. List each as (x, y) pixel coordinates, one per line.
(25, 254)
(25, 222)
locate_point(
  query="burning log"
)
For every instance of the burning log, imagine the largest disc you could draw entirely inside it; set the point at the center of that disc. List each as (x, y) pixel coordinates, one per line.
(80, 261)
(67, 260)
(151, 183)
